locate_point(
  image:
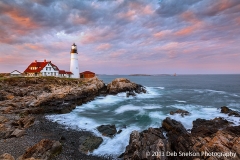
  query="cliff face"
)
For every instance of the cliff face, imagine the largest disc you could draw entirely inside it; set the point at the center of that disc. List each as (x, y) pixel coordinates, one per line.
(46, 94)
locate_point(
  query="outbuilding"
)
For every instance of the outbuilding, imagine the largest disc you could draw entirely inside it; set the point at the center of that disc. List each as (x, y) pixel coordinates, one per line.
(15, 73)
(87, 74)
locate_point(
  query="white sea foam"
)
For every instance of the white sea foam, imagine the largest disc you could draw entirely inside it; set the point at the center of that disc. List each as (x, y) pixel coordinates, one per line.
(181, 101)
(152, 107)
(160, 87)
(151, 93)
(78, 119)
(126, 108)
(116, 145)
(74, 121)
(201, 112)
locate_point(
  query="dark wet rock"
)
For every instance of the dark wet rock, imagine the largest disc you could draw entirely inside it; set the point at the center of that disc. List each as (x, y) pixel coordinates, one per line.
(119, 131)
(89, 143)
(180, 111)
(107, 130)
(202, 127)
(45, 149)
(142, 145)
(130, 93)
(230, 112)
(174, 127)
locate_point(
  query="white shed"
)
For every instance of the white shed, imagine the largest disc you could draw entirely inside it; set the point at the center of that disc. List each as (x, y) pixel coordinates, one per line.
(15, 73)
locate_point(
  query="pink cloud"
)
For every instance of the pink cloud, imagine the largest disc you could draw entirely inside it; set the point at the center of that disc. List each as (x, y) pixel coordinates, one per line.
(117, 53)
(129, 15)
(97, 35)
(162, 34)
(104, 46)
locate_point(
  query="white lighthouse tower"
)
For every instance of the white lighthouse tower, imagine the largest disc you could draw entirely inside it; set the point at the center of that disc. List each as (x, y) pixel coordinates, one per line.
(74, 62)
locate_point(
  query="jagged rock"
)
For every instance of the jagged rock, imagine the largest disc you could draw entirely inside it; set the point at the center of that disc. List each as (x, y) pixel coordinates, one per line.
(202, 127)
(6, 156)
(26, 122)
(18, 133)
(230, 112)
(173, 126)
(180, 111)
(107, 130)
(122, 85)
(146, 143)
(222, 138)
(45, 149)
(89, 143)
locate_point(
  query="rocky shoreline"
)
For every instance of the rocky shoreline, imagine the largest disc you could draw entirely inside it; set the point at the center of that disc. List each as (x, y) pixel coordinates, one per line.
(26, 134)
(208, 140)
(24, 102)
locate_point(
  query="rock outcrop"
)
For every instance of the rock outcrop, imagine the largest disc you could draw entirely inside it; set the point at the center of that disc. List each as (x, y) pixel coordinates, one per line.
(36, 95)
(181, 112)
(89, 143)
(145, 145)
(230, 112)
(45, 149)
(123, 85)
(209, 140)
(107, 130)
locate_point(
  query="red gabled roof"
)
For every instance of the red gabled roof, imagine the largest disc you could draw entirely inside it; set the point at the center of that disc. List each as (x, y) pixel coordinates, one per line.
(39, 65)
(87, 72)
(54, 65)
(69, 73)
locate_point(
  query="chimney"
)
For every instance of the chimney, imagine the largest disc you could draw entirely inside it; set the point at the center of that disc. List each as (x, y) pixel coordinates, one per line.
(44, 60)
(35, 61)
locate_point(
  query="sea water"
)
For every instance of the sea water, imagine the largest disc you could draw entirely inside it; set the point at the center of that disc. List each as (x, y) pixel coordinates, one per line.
(201, 95)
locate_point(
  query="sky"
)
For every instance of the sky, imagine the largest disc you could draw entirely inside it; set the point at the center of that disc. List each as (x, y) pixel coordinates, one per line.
(123, 36)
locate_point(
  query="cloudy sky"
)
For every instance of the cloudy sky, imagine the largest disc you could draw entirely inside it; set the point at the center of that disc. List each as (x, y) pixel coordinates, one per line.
(123, 36)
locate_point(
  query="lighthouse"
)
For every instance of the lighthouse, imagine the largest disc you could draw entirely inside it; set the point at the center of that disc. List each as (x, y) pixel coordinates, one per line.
(74, 61)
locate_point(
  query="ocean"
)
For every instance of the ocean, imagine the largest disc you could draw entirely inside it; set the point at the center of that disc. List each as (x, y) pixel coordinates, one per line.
(201, 95)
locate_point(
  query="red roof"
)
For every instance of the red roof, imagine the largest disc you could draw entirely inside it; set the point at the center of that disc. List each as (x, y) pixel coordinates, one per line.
(69, 73)
(39, 65)
(87, 72)
(62, 72)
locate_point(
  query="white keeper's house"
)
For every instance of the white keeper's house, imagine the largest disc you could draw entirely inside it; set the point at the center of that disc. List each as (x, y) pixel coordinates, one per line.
(47, 68)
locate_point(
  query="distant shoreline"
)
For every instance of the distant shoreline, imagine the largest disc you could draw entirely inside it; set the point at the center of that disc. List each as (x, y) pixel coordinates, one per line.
(140, 75)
